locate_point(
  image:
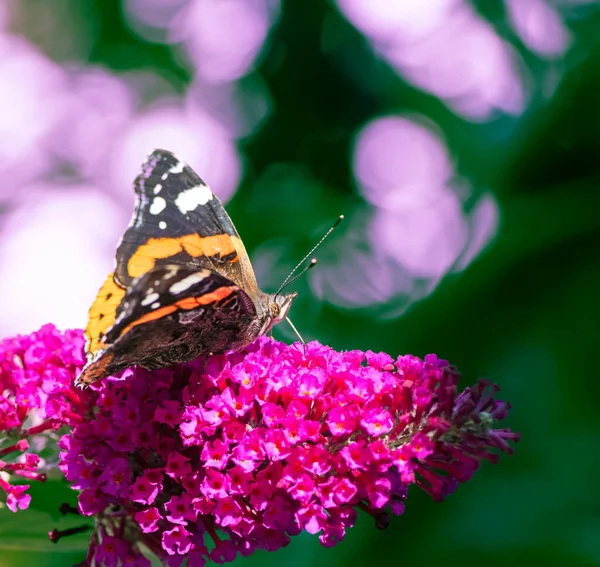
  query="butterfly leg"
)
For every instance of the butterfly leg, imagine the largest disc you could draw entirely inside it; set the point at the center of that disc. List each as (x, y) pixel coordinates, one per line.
(205, 364)
(97, 369)
(297, 334)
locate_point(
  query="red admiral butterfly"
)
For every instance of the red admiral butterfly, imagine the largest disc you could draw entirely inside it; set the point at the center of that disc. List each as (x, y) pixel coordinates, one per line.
(183, 285)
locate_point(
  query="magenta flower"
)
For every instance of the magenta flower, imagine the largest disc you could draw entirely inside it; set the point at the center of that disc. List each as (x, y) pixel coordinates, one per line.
(36, 397)
(249, 449)
(212, 459)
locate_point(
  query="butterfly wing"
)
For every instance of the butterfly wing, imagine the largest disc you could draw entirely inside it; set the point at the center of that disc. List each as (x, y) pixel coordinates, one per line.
(166, 316)
(177, 220)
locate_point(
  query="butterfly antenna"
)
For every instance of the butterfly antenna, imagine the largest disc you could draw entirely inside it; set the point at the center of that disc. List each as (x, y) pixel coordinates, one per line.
(312, 264)
(289, 279)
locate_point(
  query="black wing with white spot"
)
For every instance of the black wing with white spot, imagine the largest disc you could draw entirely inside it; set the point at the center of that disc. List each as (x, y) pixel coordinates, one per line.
(178, 220)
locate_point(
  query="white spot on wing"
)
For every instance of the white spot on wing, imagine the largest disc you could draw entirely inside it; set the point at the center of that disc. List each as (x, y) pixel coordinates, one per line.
(157, 188)
(98, 354)
(155, 305)
(150, 298)
(157, 206)
(189, 199)
(164, 176)
(172, 271)
(186, 283)
(162, 225)
(177, 168)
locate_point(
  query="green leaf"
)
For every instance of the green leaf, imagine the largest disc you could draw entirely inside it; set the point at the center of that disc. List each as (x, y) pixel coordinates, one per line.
(28, 530)
(48, 496)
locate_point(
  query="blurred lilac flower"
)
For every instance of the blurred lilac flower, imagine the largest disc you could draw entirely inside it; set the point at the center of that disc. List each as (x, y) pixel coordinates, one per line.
(151, 18)
(446, 48)
(32, 86)
(192, 132)
(224, 37)
(539, 26)
(97, 106)
(403, 168)
(427, 220)
(62, 227)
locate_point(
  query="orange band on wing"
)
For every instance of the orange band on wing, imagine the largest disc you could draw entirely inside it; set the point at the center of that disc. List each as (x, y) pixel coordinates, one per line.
(151, 316)
(214, 296)
(195, 245)
(186, 304)
(102, 313)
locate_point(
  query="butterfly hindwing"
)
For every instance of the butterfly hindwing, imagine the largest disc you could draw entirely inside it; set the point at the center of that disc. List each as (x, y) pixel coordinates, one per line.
(103, 313)
(165, 317)
(172, 288)
(178, 220)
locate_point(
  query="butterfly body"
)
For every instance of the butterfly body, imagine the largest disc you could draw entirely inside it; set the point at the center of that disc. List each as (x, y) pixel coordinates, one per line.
(183, 285)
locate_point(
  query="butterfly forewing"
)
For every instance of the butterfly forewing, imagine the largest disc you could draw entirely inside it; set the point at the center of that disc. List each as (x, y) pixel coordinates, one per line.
(179, 220)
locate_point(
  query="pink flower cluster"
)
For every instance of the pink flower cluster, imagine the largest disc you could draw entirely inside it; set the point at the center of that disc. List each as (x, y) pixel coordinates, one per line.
(216, 458)
(36, 397)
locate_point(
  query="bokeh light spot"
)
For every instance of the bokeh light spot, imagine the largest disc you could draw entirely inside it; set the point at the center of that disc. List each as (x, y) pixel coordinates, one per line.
(445, 48)
(61, 248)
(194, 135)
(539, 26)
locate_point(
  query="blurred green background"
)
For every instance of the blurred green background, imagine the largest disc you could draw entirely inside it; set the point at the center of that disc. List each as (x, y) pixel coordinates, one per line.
(462, 142)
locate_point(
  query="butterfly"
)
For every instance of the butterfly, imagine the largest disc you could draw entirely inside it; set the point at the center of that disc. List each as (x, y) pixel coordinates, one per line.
(183, 285)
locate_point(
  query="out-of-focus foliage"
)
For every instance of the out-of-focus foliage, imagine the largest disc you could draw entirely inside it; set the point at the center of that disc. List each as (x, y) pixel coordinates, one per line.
(462, 142)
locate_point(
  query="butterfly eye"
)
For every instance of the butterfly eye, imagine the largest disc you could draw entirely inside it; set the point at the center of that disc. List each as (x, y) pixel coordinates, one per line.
(275, 309)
